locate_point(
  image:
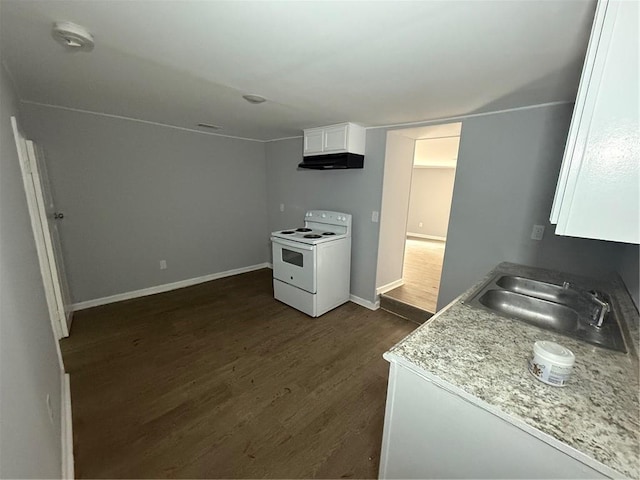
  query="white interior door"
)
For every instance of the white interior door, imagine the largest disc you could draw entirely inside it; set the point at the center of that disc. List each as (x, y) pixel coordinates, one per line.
(50, 217)
(43, 218)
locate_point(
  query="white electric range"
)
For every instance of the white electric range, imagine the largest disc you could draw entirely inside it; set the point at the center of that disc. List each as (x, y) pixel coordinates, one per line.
(312, 264)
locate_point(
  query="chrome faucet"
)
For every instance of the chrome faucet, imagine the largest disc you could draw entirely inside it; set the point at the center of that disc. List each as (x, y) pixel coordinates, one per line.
(601, 308)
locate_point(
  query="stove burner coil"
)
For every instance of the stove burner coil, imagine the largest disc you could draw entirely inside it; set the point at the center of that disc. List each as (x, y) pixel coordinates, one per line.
(312, 235)
(303, 229)
(288, 232)
(328, 233)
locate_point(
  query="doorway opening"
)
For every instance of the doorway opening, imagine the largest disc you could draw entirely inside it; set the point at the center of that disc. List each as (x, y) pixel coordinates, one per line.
(419, 176)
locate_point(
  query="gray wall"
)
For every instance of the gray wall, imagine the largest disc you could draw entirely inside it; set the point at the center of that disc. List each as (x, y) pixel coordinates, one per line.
(628, 269)
(505, 182)
(357, 192)
(134, 194)
(506, 174)
(430, 201)
(29, 369)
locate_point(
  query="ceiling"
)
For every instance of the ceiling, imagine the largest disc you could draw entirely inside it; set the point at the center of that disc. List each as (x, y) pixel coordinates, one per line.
(375, 63)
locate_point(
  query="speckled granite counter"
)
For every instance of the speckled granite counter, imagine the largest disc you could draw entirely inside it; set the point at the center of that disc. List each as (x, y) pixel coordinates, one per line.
(483, 358)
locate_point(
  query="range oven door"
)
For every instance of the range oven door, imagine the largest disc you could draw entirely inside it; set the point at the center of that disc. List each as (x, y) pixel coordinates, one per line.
(294, 263)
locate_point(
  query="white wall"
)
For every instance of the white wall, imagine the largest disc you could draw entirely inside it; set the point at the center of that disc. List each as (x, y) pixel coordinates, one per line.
(395, 206)
(430, 202)
(30, 444)
(437, 151)
(134, 194)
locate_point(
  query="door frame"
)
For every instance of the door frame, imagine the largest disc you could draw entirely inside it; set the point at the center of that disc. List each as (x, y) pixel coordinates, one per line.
(398, 174)
(60, 321)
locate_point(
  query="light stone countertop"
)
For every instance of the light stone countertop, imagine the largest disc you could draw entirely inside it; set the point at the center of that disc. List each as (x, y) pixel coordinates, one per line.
(482, 357)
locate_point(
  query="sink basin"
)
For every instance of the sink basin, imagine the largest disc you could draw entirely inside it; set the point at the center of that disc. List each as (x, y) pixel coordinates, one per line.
(538, 289)
(547, 306)
(543, 313)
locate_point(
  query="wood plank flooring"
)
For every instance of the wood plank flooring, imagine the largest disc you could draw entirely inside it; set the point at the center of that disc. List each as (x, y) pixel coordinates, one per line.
(220, 380)
(421, 274)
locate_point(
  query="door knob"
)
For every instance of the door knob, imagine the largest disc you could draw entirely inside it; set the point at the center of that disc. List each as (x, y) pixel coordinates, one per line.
(58, 215)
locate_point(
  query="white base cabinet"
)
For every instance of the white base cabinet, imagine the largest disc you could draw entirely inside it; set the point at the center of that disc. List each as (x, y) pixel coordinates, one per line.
(430, 432)
(598, 191)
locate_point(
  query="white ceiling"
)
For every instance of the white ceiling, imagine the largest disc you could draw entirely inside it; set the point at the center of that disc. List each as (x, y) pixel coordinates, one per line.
(375, 63)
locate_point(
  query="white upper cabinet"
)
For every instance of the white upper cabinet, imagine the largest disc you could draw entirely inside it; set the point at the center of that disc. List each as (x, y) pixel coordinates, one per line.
(344, 137)
(598, 192)
(335, 138)
(313, 140)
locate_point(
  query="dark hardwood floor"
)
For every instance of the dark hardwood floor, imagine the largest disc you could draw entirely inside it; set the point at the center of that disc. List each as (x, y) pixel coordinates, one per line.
(220, 380)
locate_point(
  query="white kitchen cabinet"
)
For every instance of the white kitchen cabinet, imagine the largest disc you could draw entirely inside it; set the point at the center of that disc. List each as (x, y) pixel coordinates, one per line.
(430, 432)
(343, 137)
(335, 138)
(598, 192)
(313, 141)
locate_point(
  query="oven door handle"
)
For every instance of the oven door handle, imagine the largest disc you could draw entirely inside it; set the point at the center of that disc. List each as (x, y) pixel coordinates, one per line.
(287, 243)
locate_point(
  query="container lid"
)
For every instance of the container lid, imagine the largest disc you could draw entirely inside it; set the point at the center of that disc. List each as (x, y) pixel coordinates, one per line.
(554, 352)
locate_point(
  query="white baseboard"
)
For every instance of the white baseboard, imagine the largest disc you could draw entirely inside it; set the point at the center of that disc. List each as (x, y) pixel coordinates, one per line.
(389, 286)
(66, 427)
(365, 303)
(427, 237)
(165, 288)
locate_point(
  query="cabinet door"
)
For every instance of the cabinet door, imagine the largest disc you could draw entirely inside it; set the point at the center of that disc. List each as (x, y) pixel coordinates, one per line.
(598, 194)
(313, 140)
(335, 138)
(432, 433)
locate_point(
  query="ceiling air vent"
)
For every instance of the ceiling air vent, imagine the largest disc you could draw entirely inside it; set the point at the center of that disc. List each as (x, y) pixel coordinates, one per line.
(254, 99)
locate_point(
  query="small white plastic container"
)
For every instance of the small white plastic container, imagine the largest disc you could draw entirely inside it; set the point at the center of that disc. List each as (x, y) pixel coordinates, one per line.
(551, 363)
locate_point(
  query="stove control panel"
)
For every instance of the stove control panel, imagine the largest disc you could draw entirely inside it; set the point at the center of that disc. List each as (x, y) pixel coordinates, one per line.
(331, 218)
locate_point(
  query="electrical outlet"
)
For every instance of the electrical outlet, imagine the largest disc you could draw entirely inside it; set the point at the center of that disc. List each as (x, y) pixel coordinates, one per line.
(282, 207)
(375, 216)
(163, 264)
(538, 232)
(420, 224)
(49, 408)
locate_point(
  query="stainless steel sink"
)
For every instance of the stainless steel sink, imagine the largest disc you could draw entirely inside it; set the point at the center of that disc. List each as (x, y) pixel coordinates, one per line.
(545, 314)
(538, 289)
(559, 308)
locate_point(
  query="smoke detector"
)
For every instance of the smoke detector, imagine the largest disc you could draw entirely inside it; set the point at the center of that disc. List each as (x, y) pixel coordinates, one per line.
(73, 37)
